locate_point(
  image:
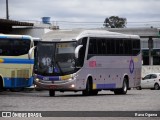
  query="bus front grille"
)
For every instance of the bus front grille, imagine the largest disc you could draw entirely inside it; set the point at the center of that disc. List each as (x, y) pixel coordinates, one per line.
(20, 78)
(22, 73)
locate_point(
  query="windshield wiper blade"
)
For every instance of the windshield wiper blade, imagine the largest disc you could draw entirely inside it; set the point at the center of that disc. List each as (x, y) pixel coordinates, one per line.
(59, 67)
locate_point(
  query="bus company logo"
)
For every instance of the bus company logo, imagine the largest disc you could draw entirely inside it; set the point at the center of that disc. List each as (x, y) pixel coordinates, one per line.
(92, 64)
(131, 66)
(6, 114)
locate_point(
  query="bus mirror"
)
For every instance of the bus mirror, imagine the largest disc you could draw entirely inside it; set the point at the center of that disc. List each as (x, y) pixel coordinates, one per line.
(30, 52)
(77, 50)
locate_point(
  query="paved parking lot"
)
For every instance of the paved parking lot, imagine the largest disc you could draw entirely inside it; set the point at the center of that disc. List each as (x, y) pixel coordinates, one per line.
(135, 100)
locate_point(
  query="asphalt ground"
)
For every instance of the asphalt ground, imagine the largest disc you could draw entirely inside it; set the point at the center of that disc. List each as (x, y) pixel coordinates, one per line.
(136, 101)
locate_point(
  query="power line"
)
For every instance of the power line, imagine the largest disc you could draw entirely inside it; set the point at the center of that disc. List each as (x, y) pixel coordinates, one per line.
(95, 24)
(103, 22)
(79, 22)
(146, 22)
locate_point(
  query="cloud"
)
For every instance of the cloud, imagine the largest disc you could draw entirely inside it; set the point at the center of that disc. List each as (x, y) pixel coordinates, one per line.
(83, 10)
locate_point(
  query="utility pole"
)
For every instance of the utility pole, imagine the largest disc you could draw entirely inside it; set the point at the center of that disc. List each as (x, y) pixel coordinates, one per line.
(150, 46)
(7, 11)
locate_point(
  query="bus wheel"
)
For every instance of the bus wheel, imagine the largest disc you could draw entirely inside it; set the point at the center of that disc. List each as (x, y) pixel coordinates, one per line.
(51, 93)
(1, 84)
(123, 90)
(88, 90)
(94, 92)
(16, 89)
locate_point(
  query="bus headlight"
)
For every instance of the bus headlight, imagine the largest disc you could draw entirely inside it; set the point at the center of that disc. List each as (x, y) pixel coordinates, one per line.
(70, 79)
(37, 80)
(72, 86)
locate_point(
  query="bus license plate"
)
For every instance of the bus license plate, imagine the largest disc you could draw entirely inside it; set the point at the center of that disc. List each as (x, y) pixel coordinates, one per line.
(53, 87)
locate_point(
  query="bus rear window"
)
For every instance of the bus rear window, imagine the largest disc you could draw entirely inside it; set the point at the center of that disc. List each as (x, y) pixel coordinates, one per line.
(14, 47)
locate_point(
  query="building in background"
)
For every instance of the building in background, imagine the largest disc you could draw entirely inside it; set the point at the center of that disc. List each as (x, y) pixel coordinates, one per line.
(6, 26)
(34, 29)
(150, 43)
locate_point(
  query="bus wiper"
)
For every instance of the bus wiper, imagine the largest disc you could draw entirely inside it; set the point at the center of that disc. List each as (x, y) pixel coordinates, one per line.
(59, 67)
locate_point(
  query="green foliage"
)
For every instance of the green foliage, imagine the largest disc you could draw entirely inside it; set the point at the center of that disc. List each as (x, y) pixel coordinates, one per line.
(115, 22)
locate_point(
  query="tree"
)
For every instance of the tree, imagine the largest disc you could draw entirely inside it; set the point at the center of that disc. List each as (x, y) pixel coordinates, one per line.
(115, 22)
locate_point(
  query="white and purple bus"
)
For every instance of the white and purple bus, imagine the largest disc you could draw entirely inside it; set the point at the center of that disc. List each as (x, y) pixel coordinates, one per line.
(87, 61)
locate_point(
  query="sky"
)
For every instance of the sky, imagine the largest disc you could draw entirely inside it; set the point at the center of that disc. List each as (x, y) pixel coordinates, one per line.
(84, 13)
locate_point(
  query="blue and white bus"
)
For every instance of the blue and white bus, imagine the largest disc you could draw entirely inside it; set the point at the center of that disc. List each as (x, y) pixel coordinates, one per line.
(16, 69)
(88, 61)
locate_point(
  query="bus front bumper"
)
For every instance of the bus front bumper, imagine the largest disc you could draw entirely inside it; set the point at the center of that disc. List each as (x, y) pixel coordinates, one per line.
(67, 85)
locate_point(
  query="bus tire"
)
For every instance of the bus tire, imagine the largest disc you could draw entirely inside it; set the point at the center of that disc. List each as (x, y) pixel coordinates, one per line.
(16, 89)
(1, 84)
(94, 92)
(122, 90)
(88, 90)
(51, 93)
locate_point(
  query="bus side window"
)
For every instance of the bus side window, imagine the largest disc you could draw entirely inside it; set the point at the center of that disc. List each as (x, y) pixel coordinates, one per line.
(111, 48)
(104, 47)
(119, 47)
(99, 46)
(135, 47)
(92, 46)
(127, 47)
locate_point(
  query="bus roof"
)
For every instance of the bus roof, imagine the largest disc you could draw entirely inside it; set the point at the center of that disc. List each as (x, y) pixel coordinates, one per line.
(75, 34)
(15, 36)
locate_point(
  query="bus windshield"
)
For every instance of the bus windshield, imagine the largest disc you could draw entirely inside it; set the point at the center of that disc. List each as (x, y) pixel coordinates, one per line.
(14, 47)
(15, 66)
(56, 58)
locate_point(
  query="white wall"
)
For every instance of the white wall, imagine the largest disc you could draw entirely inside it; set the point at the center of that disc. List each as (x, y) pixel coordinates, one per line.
(150, 69)
(34, 32)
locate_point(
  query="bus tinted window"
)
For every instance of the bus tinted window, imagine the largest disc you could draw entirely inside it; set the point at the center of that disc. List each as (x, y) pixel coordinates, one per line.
(119, 46)
(14, 47)
(135, 47)
(92, 46)
(127, 47)
(109, 46)
(104, 46)
(99, 46)
(114, 46)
